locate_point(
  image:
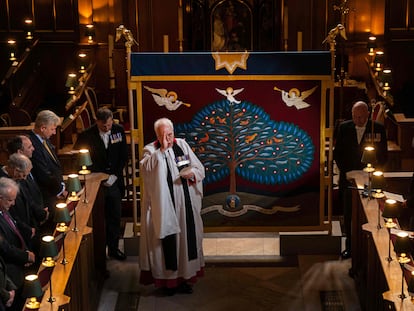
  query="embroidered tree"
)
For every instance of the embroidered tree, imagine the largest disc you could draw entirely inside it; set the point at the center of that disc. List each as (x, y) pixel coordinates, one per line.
(241, 139)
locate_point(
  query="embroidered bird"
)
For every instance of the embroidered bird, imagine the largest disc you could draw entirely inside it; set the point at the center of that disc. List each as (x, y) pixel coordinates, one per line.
(238, 115)
(205, 138)
(250, 138)
(295, 98)
(229, 93)
(166, 98)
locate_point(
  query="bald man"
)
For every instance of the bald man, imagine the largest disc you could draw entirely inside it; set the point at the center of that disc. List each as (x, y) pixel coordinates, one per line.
(351, 139)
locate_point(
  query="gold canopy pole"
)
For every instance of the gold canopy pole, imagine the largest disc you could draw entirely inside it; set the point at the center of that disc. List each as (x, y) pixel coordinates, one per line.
(180, 25)
(331, 40)
(121, 31)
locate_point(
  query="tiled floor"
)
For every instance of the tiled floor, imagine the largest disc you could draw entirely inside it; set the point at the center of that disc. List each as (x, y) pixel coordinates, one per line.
(241, 285)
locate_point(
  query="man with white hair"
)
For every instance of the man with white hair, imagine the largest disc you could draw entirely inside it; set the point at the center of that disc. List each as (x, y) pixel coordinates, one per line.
(14, 240)
(171, 252)
(47, 169)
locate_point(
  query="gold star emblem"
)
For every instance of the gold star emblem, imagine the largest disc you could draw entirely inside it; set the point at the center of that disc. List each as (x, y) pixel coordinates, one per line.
(231, 61)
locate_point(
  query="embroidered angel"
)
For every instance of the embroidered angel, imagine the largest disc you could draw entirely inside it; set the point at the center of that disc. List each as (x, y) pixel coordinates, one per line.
(295, 98)
(229, 93)
(166, 98)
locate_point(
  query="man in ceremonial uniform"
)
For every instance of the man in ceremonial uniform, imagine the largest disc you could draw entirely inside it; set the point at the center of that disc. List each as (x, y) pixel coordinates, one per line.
(350, 141)
(107, 146)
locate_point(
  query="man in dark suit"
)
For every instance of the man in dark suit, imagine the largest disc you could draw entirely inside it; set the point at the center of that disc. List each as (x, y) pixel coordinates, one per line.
(25, 210)
(46, 166)
(7, 287)
(22, 144)
(14, 239)
(107, 145)
(350, 141)
(17, 168)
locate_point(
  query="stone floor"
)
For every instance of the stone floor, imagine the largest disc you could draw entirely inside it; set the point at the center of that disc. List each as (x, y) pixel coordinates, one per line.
(241, 274)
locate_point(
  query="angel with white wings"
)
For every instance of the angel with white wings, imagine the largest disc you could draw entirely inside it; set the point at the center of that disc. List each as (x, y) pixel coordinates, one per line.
(229, 93)
(166, 98)
(296, 98)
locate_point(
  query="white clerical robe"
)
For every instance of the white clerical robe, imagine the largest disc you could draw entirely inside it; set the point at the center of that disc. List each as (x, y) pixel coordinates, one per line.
(158, 216)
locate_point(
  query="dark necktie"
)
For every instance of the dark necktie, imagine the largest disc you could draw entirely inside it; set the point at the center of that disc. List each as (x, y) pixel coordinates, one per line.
(14, 228)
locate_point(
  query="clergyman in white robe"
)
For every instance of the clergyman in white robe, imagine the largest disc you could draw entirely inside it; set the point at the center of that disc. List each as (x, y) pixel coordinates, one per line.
(159, 217)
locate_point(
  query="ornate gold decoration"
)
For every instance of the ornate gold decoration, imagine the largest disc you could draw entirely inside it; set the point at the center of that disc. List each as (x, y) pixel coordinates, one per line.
(231, 61)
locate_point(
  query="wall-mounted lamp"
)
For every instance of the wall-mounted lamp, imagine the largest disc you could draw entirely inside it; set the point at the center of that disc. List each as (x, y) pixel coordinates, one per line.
(32, 290)
(28, 23)
(83, 62)
(371, 45)
(12, 49)
(71, 83)
(386, 78)
(90, 32)
(378, 61)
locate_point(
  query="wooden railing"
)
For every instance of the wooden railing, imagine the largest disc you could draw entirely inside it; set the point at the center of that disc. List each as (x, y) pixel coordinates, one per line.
(77, 285)
(379, 281)
(22, 87)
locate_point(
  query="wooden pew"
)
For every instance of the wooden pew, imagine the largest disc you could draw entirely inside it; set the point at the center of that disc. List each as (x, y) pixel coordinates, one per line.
(378, 281)
(77, 285)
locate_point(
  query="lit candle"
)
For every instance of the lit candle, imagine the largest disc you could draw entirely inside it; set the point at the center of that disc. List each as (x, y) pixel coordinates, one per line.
(299, 40)
(285, 24)
(165, 43)
(180, 21)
